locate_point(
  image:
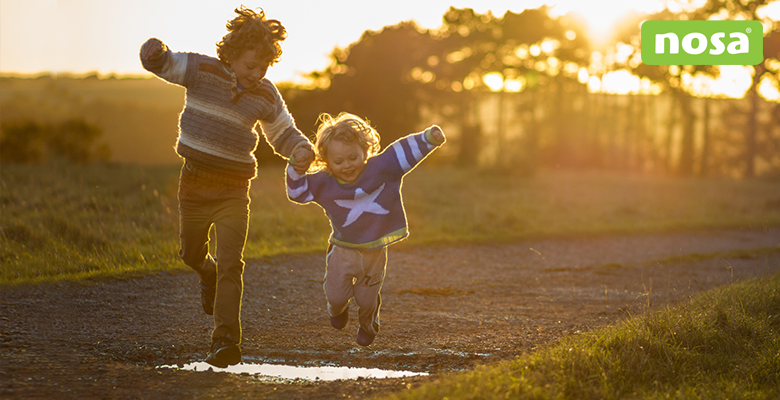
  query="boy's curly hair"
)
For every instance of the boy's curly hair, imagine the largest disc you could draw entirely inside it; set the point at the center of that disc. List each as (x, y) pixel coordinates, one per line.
(251, 30)
(347, 128)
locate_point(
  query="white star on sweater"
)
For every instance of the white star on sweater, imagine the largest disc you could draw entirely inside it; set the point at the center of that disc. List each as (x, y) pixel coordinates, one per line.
(362, 203)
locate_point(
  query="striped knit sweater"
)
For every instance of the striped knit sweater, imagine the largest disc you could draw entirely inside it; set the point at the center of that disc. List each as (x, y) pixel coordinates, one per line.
(367, 213)
(216, 127)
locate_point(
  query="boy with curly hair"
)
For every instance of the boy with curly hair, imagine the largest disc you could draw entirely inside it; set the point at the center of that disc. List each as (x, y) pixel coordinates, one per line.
(360, 190)
(225, 98)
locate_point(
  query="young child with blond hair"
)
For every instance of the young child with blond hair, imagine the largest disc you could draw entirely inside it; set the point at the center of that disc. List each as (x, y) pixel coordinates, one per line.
(225, 98)
(360, 191)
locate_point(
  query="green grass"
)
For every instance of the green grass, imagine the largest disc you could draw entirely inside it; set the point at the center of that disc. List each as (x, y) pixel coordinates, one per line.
(65, 221)
(744, 254)
(494, 207)
(723, 344)
(62, 221)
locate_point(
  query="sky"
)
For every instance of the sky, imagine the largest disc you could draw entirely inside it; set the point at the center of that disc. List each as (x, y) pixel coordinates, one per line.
(104, 36)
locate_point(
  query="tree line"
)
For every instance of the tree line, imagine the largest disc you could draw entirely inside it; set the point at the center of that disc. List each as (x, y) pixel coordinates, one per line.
(543, 113)
(29, 141)
(513, 93)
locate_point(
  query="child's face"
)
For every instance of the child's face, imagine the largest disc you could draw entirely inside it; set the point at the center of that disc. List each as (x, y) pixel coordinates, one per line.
(249, 68)
(345, 160)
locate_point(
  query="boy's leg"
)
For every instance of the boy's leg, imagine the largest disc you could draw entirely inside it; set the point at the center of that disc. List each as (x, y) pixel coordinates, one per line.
(232, 222)
(342, 266)
(194, 224)
(367, 289)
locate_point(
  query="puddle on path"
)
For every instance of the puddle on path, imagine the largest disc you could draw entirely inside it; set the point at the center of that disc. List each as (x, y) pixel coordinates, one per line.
(324, 373)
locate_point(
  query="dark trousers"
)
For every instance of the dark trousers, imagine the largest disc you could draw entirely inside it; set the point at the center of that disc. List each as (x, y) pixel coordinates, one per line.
(203, 202)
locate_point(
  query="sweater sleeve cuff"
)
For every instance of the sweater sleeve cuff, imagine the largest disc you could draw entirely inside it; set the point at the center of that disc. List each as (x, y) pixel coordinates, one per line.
(154, 63)
(428, 136)
(292, 174)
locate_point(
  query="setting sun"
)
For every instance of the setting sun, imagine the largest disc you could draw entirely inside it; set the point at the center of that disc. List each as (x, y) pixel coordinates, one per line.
(76, 37)
(603, 16)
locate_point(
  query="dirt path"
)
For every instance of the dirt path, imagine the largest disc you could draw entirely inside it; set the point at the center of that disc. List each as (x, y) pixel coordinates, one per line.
(444, 309)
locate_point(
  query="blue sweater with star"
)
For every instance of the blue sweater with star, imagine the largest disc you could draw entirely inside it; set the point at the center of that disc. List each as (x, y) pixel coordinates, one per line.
(368, 213)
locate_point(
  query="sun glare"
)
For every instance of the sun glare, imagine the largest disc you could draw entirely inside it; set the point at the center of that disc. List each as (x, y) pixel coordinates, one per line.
(734, 81)
(494, 81)
(769, 90)
(620, 82)
(771, 11)
(602, 16)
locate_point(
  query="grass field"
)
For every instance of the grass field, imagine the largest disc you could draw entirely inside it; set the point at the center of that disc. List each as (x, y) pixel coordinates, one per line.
(62, 221)
(723, 344)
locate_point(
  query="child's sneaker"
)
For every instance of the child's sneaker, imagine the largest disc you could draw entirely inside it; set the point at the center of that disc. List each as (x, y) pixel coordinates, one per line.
(364, 338)
(340, 321)
(223, 353)
(207, 294)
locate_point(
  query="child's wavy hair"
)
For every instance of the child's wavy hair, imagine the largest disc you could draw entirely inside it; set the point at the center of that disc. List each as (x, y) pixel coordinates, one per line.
(347, 128)
(251, 30)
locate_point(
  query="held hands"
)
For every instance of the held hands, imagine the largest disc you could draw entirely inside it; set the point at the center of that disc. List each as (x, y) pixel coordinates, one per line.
(152, 49)
(302, 157)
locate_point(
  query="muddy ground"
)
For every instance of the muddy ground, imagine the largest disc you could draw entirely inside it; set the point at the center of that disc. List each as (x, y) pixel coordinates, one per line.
(445, 309)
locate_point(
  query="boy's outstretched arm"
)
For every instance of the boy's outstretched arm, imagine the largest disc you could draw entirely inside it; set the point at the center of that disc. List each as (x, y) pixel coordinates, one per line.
(280, 131)
(161, 61)
(152, 50)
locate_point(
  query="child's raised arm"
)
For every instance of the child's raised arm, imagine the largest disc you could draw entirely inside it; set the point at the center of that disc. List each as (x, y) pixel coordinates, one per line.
(436, 135)
(152, 50)
(410, 150)
(159, 60)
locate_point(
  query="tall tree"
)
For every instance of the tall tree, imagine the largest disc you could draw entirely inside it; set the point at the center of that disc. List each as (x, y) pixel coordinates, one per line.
(530, 48)
(672, 77)
(370, 78)
(452, 73)
(748, 10)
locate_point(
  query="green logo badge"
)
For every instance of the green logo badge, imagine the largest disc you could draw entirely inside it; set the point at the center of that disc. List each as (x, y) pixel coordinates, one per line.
(702, 42)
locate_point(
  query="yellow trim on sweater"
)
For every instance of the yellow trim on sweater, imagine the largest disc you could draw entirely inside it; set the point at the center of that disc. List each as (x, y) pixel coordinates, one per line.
(384, 241)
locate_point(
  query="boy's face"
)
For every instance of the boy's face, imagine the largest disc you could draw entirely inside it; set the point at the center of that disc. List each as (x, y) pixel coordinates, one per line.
(345, 160)
(249, 68)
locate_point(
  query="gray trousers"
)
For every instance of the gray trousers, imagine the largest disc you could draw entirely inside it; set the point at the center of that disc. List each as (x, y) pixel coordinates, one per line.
(355, 273)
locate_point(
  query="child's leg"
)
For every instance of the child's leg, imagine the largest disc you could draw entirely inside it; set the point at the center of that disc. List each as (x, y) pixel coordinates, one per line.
(194, 224)
(232, 222)
(367, 289)
(342, 266)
